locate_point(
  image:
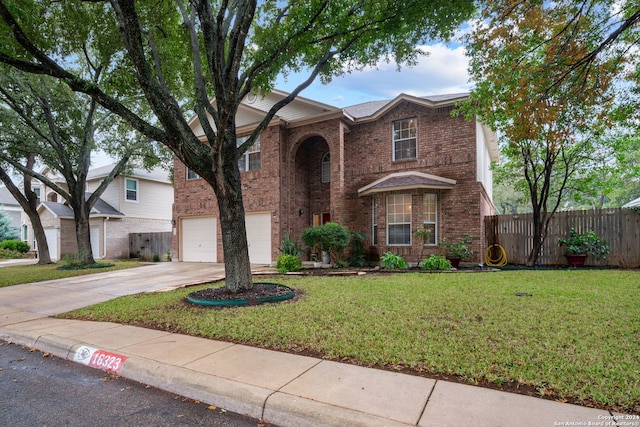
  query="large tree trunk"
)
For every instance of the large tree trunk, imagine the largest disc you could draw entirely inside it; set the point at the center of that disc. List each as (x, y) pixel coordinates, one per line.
(234, 240)
(41, 239)
(83, 233)
(228, 189)
(29, 204)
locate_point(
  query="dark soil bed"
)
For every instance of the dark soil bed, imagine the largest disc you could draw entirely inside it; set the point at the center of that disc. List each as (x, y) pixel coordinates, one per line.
(262, 292)
(86, 267)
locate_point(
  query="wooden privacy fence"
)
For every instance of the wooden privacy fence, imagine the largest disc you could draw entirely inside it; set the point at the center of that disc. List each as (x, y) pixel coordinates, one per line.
(619, 227)
(146, 245)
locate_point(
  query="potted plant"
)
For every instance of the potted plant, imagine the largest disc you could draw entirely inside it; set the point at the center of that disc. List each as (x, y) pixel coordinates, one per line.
(579, 246)
(457, 250)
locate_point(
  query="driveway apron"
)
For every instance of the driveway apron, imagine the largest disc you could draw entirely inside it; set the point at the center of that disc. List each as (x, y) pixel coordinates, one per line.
(61, 295)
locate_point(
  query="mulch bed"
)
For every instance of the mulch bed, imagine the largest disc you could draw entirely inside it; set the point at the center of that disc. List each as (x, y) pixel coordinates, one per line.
(260, 290)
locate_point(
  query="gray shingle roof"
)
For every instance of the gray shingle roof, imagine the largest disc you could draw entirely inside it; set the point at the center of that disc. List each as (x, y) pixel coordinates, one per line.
(367, 109)
(100, 208)
(406, 180)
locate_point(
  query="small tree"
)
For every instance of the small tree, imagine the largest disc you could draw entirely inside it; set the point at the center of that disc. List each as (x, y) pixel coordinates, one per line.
(7, 231)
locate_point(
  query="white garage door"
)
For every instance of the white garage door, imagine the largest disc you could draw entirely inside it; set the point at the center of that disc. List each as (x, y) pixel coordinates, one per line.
(52, 242)
(259, 237)
(95, 241)
(198, 239)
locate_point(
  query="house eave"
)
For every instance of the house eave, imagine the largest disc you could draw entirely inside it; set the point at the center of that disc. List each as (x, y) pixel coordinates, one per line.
(434, 183)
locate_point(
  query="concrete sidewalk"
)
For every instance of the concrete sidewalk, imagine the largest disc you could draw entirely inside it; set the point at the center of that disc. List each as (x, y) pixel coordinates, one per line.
(281, 388)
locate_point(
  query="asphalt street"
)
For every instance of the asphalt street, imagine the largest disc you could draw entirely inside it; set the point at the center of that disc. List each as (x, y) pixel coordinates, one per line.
(37, 389)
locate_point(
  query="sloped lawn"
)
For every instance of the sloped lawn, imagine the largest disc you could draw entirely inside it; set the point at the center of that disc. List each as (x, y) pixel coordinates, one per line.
(569, 335)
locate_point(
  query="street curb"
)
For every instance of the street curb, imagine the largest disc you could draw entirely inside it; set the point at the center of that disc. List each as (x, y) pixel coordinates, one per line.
(282, 409)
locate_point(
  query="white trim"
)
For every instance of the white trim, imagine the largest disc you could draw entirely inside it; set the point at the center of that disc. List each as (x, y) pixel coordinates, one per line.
(394, 141)
(403, 223)
(126, 190)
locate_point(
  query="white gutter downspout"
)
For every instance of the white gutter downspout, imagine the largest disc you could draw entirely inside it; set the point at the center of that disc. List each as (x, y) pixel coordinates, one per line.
(104, 237)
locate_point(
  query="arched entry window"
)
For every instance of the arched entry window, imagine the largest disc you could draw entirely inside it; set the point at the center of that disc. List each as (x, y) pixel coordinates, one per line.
(326, 168)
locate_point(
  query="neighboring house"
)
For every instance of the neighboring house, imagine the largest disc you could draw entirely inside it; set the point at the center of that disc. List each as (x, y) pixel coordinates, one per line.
(136, 203)
(10, 206)
(633, 203)
(383, 168)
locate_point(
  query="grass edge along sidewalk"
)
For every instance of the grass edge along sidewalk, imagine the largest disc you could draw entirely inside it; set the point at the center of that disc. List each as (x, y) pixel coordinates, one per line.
(568, 335)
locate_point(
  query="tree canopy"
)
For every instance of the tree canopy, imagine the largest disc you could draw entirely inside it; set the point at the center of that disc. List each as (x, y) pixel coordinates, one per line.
(547, 76)
(179, 55)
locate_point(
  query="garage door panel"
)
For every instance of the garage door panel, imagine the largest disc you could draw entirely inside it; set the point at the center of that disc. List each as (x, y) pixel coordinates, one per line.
(52, 242)
(259, 237)
(199, 239)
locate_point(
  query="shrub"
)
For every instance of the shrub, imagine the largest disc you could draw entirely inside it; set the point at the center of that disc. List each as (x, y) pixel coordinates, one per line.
(356, 245)
(458, 249)
(15, 245)
(287, 263)
(393, 261)
(289, 246)
(74, 260)
(10, 254)
(435, 262)
(155, 258)
(331, 237)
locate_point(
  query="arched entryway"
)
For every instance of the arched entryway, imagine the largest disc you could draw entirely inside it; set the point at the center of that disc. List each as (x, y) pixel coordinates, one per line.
(311, 198)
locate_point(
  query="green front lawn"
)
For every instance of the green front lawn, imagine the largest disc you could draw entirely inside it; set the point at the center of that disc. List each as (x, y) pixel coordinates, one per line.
(577, 338)
(19, 274)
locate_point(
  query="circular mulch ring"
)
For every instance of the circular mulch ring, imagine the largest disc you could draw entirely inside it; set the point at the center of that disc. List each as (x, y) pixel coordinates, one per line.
(261, 293)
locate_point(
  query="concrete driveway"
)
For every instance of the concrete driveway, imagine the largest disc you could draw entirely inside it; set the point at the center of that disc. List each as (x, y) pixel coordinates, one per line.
(62, 295)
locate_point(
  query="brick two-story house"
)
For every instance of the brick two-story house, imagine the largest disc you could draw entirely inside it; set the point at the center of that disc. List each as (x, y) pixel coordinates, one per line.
(383, 168)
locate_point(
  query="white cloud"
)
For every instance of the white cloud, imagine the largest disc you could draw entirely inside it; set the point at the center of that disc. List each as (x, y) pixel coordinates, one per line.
(443, 70)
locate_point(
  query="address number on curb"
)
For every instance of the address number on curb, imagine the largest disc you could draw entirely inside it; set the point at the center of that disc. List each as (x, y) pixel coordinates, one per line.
(100, 359)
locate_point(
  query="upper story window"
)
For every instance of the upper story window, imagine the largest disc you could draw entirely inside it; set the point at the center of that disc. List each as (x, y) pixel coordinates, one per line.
(250, 160)
(326, 168)
(131, 190)
(405, 141)
(36, 190)
(191, 175)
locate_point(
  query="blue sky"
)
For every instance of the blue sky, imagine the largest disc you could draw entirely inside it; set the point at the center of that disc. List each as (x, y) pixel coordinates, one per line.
(443, 71)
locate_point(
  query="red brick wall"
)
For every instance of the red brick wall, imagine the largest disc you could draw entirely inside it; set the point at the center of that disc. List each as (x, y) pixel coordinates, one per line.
(289, 181)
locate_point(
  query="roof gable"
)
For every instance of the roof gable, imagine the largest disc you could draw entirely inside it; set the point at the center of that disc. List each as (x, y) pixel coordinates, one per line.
(373, 110)
(410, 180)
(254, 107)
